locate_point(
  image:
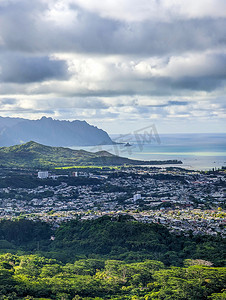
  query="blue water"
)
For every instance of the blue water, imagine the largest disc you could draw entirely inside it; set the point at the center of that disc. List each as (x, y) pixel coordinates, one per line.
(196, 151)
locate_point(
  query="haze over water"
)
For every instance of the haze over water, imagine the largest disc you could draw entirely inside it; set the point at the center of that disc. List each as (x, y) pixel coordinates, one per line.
(196, 151)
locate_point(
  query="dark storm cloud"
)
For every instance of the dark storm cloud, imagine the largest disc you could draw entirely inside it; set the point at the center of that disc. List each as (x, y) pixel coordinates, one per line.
(25, 69)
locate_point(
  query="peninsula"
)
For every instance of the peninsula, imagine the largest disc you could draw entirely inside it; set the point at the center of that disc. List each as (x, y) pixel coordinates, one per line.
(32, 154)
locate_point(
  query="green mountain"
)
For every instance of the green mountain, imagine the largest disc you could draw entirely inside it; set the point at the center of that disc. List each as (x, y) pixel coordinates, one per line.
(36, 155)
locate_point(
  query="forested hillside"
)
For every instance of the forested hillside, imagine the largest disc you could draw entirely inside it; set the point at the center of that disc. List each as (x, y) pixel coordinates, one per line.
(109, 238)
(35, 277)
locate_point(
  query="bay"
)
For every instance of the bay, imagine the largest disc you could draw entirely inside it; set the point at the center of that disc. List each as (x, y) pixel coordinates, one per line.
(196, 151)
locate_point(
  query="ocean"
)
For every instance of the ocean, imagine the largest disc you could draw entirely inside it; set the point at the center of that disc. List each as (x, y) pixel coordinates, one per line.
(196, 151)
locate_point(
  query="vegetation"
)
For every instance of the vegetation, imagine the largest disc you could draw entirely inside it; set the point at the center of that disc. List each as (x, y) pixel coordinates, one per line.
(107, 258)
(36, 155)
(35, 277)
(109, 238)
(25, 181)
(88, 167)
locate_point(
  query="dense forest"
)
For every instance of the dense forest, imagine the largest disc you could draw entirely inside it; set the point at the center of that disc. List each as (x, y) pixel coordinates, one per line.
(117, 237)
(107, 258)
(35, 277)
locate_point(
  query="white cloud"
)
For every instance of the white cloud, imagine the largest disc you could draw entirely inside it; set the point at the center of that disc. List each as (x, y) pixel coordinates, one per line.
(163, 10)
(210, 63)
(60, 14)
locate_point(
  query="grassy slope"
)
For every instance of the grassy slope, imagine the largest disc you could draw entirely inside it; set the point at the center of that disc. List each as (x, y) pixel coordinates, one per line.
(33, 154)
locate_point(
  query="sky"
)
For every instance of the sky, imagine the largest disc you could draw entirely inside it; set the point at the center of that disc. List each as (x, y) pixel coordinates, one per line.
(119, 65)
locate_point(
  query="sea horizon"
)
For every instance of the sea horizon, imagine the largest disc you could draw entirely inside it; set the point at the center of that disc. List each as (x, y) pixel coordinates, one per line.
(198, 151)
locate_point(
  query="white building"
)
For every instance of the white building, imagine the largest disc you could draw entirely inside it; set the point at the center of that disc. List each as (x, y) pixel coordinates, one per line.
(136, 197)
(43, 174)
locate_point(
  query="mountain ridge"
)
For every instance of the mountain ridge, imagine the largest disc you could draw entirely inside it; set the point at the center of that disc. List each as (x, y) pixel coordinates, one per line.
(14, 131)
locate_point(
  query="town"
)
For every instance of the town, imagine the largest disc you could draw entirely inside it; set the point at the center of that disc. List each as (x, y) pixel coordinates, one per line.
(191, 202)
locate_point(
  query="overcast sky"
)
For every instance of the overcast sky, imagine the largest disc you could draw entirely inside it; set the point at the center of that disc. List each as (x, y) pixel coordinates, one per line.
(118, 64)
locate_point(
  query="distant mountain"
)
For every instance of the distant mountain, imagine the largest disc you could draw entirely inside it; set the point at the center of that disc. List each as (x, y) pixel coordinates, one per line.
(14, 131)
(36, 155)
(9, 122)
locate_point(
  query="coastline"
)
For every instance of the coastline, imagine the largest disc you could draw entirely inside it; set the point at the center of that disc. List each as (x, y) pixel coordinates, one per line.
(196, 151)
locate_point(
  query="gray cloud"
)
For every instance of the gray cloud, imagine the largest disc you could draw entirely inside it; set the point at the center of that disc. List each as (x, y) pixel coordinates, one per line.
(73, 58)
(84, 103)
(21, 111)
(207, 83)
(24, 69)
(25, 29)
(8, 101)
(178, 103)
